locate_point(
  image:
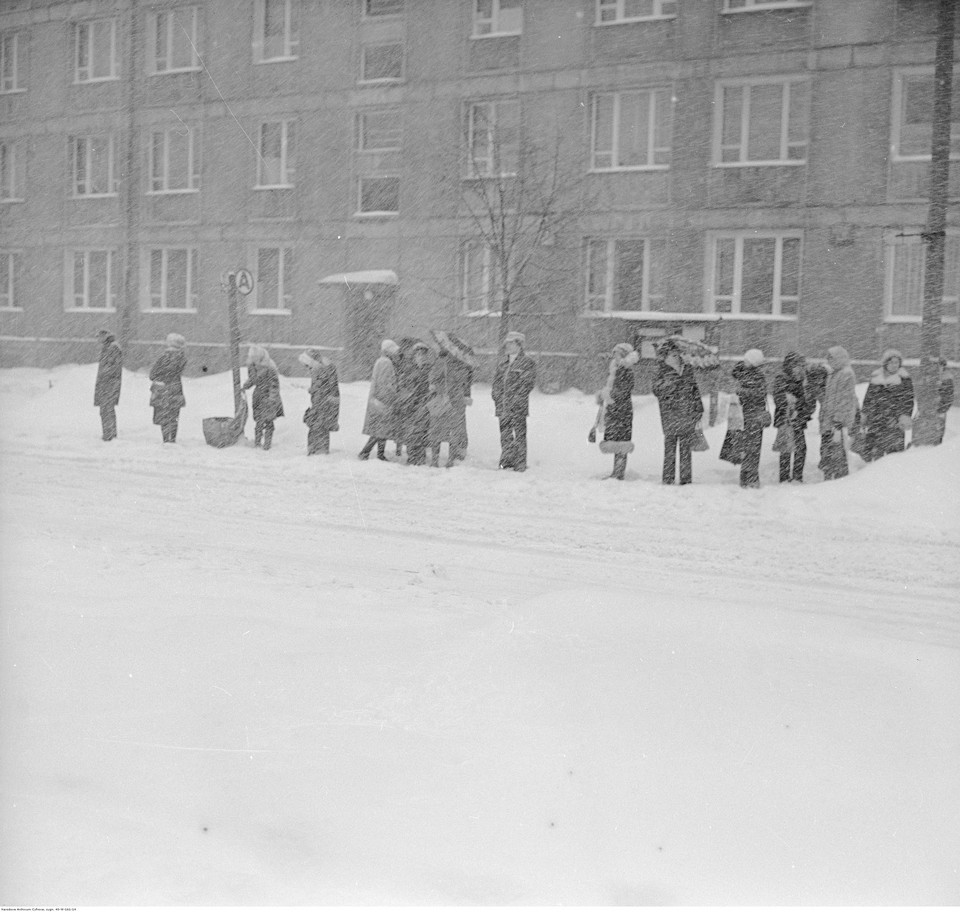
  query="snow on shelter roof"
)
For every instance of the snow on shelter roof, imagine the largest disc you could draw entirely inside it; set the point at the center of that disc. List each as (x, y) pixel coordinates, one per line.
(365, 277)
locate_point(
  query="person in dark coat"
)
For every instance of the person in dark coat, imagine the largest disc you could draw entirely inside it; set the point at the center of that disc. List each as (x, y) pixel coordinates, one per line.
(752, 392)
(263, 376)
(413, 389)
(617, 399)
(680, 409)
(945, 390)
(887, 408)
(323, 415)
(106, 393)
(380, 420)
(513, 381)
(793, 405)
(449, 393)
(166, 390)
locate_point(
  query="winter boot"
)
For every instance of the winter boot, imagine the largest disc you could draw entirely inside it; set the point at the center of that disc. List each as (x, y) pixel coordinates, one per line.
(619, 466)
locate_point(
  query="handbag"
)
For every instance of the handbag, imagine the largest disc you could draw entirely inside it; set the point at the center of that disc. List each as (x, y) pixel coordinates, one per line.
(698, 441)
(786, 441)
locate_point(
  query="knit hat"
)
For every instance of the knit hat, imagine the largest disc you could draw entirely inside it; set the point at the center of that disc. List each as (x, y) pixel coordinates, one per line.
(623, 349)
(517, 337)
(103, 333)
(888, 354)
(753, 357)
(389, 347)
(175, 340)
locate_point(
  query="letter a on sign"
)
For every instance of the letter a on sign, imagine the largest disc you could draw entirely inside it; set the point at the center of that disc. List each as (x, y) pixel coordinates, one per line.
(244, 282)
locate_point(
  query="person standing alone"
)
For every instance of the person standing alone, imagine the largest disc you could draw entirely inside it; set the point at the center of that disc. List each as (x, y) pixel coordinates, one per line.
(166, 390)
(106, 393)
(515, 377)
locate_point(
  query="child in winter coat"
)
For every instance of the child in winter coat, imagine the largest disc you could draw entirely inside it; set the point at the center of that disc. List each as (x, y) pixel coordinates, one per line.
(887, 408)
(323, 415)
(263, 376)
(617, 399)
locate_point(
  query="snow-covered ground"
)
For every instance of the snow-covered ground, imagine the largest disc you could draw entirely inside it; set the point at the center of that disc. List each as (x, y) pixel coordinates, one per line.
(232, 677)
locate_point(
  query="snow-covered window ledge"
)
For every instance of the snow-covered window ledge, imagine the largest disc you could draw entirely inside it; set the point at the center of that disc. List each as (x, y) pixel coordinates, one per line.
(179, 311)
(269, 312)
(89, 310)
(652, 315)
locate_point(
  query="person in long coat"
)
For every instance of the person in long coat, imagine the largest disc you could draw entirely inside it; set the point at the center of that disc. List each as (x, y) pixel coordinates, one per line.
(752, 392)
(449, 392)
(839, 411)
(166, 390)
(617, 399)
(887, 407)
(379, 422)
(412, 393)
(106, 393)
(793, 404)
(323, 415)
(267, 406)
(513, 382)
(680, 409)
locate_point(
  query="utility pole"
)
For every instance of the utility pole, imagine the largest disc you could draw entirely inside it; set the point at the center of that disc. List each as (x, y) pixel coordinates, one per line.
(130, 185)
(925, 427)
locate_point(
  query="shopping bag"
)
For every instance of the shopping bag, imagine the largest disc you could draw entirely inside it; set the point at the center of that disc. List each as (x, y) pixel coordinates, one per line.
(698, 442)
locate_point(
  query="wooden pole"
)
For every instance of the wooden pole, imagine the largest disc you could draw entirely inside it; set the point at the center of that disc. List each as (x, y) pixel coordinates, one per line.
(233, 315)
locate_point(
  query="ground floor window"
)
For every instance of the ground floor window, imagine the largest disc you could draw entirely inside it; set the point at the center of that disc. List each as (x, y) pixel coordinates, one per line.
(95, 279)
(172, 278)
(625, 274)
(756, 273)
(481, 285)
(274, 285)
(906, 266)
(9, 280)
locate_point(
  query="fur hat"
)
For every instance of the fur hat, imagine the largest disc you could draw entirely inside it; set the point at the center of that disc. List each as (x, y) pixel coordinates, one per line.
(888, 354)
(389, 347)
(517, 337)
(753, 357)
(311, 358)
(175, 340)
(623, 349)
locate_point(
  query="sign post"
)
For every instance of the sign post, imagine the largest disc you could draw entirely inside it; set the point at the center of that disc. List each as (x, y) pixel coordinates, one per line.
(234, 282)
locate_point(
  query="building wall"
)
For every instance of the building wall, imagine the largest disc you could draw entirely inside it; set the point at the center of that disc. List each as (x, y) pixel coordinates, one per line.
(846, 196)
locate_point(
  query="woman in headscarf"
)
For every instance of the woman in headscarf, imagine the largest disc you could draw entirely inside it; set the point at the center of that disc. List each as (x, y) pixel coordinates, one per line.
(263, 376)
(838, 413)
(617, 399)
(324, 413)
(379, 421)
(887, 407)
(166, 390)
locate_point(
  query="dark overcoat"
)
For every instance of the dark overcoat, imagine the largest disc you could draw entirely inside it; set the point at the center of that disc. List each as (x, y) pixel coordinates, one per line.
(109, 374)
(679, 399)
(168, 399)
(618, 415)
(512, 384)
(324, 411)
(266, 403)
(752, 391)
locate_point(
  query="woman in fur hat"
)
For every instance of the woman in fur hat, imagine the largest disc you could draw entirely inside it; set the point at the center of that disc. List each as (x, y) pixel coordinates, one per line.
(839, 411)
(324, 413)
(263, 376)
(617, 396)
(887, 407)
(166, 390)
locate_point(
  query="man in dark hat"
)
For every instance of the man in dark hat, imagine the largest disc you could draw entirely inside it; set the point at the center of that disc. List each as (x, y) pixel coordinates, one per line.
(106, 393)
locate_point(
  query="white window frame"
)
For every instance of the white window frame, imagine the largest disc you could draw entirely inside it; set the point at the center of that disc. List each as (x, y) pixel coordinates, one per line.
(896, 128)
(159, 173)
(72, 294)
(620, 15)
(376, 213)
(491, 294)
(489, 26)
(735, 298)
(83, 75)
(755, 6)
(288, 155)
(382, 80)
(291, 35)
(9, 293)
(155, 300)
(657, 95)
(363, 146)
(9, 184)
(494, 145)
(912, 238)
(10, 64)
(285, 282)
(746, 84)
(78, 191)
(648, 295)
(365, 8)
(157, 66)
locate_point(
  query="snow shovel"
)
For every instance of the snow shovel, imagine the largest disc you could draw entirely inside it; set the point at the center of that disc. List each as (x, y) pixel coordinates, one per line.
(224, 432)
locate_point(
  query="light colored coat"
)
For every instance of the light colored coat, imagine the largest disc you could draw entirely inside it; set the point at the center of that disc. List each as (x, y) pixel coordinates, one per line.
(840, 405)
(380, 420)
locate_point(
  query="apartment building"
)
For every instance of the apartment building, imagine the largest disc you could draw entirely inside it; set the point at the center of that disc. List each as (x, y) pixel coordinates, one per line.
(749, 171)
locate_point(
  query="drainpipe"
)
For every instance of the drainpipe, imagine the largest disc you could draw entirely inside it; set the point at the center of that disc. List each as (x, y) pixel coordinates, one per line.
(130, 185)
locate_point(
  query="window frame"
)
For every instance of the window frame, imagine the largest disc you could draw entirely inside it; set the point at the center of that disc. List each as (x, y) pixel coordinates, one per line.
(366, 14)
(111, 284)
(361, 119)
(90, 24)
(495, 16)
(747, 83)
(191, 294)
(912, 237)
(112, 180)
(288, 165)
(757, 6)
(493, 143)
(647, 296)
(194, 162)
(615, 147)
(9, 296)
(291, 32)
(376, 213)
(619, 18)
(382, 80)
(8, 172)
(736, 297)
(896, 123)
(255, 304)
(13, 59)
(492, 293)
(153, 30)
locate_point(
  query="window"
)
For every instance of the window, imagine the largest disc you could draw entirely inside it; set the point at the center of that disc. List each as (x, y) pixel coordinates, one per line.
(379, 195)
(175, 160)
(913, 116)
(9, 280)
(276, 161)
(8, 172)
(906, 266)
(276, 30)
(493, 138)
(756, 274)
(172, 41)
(95, 280)
(379, 131)
(741, 6)
(274, 288)
(611, 11)
(497, 17)
(173, 278)
(92, 165)
(632, 129)
(382, 7)
(761, 122)
(381, 62)
(625, 274)
(481, 284)
(10, 76)
(96, 50)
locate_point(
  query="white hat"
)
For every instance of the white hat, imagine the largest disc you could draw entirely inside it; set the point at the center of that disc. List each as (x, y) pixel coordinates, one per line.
(754, 357)
(517, 337)
(389, 347)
